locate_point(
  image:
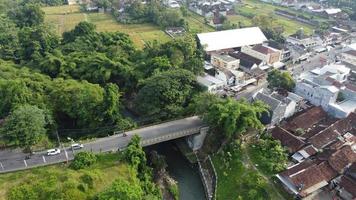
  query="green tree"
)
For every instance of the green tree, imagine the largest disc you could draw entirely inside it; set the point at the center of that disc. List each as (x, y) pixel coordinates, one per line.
(23, 192)
(9, 42)
(27, 15)
(82, 160)
(78, 102)
(123, 190)
(134, 154)
(280, 80)
(25, 126)
(232, 117)
(165, 94)
(270, 155)
(82, 29)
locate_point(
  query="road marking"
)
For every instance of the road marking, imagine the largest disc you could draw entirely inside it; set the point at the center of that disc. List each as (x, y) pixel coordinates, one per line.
(25, 162)
(44, 159)
(2, 167)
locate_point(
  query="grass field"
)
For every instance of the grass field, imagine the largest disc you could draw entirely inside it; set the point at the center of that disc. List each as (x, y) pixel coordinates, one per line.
(105, 171)
(259, 8)
(196, 23)
(64, 18)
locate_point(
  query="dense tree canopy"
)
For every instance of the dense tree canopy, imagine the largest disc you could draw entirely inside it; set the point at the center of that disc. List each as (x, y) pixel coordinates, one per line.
(229, 116)
(165, 94)
(27, 15)
(280, 80)
(25, 126)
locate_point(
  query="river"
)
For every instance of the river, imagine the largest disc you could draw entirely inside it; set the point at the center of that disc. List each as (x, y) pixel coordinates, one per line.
(186, 174)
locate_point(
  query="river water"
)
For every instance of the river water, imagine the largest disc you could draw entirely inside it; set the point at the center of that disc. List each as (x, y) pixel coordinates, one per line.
(186, 174)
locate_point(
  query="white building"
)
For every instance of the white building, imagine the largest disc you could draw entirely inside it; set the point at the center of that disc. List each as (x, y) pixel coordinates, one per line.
(226, 40)
(322, 87)
(263, 52)
(226, 61)
(211, 83)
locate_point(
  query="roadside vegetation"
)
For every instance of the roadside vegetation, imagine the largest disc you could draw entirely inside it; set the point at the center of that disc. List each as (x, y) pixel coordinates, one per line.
(121, 176)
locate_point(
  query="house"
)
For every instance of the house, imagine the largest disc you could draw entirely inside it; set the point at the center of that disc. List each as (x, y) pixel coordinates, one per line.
(304, 153)
(285, 52)
(316, 88)
(349, 59)
(210, 83)
(230, 77)
(224, 60)
(303, 40)
(263, 52)
(228, 40)
(276, 108)
(247, 62)
(304, 178)
(287, 139)
(280, 107)
(346, 187)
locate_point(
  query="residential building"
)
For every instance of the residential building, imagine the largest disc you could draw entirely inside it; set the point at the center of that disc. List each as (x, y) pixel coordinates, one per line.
(263, 52)
(225, 61)
(230, 77)
(247, 63)
(322, 86)
(349, 59)
(210, 83)
(285, 52)
(228, 40)
(303, 40)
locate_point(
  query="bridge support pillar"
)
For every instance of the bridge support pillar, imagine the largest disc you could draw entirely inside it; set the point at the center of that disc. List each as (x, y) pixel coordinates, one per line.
(196, 141)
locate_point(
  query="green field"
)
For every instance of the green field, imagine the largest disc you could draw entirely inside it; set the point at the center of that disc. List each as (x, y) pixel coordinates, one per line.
(104, 172)
(64, 18)
(255, 7)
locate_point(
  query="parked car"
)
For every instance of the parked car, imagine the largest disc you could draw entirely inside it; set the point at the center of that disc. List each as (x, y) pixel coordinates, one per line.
(77, 146)
(53, 152)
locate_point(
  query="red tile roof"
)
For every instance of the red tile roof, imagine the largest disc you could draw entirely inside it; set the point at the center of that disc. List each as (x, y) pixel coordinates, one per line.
(307, 119)
(349, 185)
(308, 174)
(262, 49)
(331, 133)
(310, 150)
(342, 158)
(287, 139)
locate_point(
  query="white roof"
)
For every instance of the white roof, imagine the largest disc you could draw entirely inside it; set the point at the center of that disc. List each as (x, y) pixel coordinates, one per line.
(208, 80)
(231, 38)
(332, 11)
(352, 46)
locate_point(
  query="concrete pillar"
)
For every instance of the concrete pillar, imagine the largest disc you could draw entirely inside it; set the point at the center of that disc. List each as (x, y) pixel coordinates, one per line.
(196, 141)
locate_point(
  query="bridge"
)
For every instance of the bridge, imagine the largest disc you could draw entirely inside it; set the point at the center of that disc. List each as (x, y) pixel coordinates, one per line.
(192, 128)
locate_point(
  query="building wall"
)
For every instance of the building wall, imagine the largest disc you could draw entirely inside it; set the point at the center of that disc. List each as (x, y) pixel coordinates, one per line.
(267, 58)
(248, 50)
(218, 62)
(348, 58)
(316, 95)
(290, 109)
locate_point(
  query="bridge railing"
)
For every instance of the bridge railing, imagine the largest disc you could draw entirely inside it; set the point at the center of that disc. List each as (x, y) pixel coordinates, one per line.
(170, 136)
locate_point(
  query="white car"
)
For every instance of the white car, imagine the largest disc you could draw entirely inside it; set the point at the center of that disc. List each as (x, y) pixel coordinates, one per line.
(53, 152)
(77, 146)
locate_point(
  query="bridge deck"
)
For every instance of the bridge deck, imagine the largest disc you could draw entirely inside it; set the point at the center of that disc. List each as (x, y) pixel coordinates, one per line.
(14, 160)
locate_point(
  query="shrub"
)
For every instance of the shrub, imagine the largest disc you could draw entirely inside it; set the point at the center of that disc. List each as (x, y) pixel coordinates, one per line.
(83, 160)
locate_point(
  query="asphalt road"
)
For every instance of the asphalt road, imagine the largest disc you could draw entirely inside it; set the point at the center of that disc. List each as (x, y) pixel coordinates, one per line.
(14, 160)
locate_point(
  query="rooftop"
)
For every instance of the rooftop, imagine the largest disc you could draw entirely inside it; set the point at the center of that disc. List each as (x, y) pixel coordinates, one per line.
(225, 57)
(287, 139)
(246, 60)
(234, 38)
(263, 49)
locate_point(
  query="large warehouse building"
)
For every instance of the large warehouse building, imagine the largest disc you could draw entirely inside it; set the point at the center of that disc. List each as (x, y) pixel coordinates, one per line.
(219, 41)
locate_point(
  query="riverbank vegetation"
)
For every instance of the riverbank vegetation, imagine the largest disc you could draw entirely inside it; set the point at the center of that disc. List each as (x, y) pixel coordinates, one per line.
(238, 177)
